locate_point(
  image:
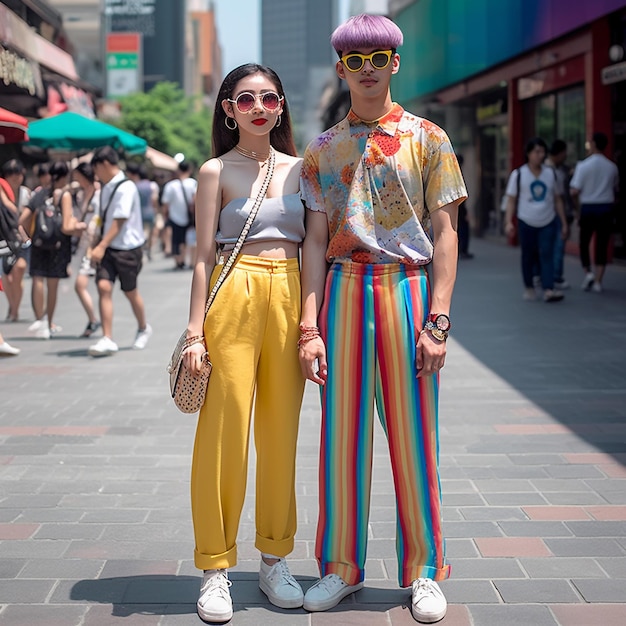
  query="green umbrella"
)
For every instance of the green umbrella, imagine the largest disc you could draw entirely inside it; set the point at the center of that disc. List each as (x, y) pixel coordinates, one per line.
(73, 132)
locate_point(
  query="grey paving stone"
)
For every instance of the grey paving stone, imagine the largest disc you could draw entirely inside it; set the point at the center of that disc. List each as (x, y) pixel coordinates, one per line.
(575, 546)
(492, 513)
(512, 615)
(16, 591)
(58, 569)
(461, 548)
(42, 615)
(475, 568)
(614, 567)
(574, 498)
(469, 591)
(471, 529)
(556, 567)
(536, 591)
(594, 528)
(517, 498)
(537, 459)
(10, 568)
(593, 590)
(532, 528)
(510, 485)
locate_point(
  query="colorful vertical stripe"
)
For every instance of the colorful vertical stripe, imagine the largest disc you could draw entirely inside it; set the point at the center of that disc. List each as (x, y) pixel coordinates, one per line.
(369, 322)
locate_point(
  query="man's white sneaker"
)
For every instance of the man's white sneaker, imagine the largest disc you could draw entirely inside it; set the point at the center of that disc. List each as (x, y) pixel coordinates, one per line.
(328, 592)
(142, 338)
(281, 588)
(588, 281)
(8, 350)
(43, 332)
(428, 604)
(38, 324)
(215, 603)
(104, 347)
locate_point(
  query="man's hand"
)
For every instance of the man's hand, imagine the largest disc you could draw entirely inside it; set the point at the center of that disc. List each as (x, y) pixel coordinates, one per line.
(313, 360)
(431, 354)
(97, 254)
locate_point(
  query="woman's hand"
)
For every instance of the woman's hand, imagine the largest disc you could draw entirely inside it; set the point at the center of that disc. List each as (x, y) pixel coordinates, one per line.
(313, 360)
(192, 357)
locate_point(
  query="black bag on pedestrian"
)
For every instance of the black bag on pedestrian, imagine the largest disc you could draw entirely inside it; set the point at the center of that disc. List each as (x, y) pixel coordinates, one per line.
(48, 233)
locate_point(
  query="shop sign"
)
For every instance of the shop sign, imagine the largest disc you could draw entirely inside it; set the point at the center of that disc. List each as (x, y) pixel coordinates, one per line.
(123, 59)
(488, 111)
(614, 73)
(15, 70)
(131, 16)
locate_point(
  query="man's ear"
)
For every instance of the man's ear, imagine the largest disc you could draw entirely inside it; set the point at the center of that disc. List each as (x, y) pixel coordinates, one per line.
(395, 63)
(341, 70)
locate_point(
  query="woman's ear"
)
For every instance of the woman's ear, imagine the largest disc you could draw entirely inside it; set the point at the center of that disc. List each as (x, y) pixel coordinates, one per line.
(228, 108)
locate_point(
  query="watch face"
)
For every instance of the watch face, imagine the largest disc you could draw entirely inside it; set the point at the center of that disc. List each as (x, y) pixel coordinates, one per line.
(443, 322)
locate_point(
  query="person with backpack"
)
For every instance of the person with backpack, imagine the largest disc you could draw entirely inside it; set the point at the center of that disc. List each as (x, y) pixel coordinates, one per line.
(49, 217)
(535, 195)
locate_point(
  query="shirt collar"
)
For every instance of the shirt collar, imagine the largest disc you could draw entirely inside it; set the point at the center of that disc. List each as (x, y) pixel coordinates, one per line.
(388, 123)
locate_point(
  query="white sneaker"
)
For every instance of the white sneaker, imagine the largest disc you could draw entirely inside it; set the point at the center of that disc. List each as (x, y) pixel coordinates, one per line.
(43, 332)
(142, 338)
(38, 324)
(104, 347)
(588, 281)
(537, 281)
(529, 294)
(281, 588)
(215, 603)
(597, 287)
(8, 350)
(428, 604)
(561, 284)
(328, 592)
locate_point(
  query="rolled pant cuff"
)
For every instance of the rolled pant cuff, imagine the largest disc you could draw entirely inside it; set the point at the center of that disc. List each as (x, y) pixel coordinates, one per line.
(349, 574)
(272, 546)
(423, 571)
(219, 561)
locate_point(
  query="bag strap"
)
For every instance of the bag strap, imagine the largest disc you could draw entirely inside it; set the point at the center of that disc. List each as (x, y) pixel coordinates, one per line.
(103, 214)
(187, 203)
(244, 232)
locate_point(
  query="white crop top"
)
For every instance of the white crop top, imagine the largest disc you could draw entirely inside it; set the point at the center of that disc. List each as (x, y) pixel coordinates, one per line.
(279, 218)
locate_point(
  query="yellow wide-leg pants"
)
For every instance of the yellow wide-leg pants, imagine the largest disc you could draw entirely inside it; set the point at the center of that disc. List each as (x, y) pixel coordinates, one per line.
(251, 335)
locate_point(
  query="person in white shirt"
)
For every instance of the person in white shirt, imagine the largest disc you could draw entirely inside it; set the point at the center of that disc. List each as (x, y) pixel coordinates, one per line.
(119, 252)
(534, 193)
(593, 186)
(178, 201)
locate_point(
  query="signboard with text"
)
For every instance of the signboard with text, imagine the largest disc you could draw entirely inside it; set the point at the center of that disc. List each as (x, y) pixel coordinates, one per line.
(123, 64)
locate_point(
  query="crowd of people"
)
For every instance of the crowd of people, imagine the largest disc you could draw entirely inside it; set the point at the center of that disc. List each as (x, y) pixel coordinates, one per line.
(543, 199)
(94, 223)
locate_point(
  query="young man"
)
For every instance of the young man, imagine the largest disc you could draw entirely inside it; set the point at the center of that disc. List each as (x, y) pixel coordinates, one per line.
(120, 250)
(374, 185)
(593, 186)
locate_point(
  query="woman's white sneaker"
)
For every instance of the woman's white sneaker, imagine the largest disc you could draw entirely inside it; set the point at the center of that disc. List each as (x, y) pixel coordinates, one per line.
(428, 604)
(328, 592)
(281, 588)
(105, 346)
(215, 603)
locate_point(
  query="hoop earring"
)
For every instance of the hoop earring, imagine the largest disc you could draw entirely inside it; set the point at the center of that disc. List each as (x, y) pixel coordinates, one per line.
(227, 124)
(279, 121)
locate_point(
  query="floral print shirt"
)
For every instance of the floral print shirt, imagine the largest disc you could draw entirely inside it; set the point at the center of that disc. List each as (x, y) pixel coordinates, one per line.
(378, 183)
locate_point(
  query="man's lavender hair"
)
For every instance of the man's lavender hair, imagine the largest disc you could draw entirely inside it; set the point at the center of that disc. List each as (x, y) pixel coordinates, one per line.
(366, 31)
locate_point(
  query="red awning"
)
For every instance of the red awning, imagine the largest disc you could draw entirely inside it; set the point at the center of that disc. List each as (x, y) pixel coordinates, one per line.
(13, 127)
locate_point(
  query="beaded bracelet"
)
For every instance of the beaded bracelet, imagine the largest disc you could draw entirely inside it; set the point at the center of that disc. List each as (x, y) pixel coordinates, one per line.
(307, 333)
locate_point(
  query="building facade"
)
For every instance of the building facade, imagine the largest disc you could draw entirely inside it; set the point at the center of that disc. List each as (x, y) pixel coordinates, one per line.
(494, 74)
(295, 42)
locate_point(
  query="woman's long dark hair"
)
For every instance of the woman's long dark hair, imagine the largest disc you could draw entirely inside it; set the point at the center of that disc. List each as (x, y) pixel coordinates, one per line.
(224, 139)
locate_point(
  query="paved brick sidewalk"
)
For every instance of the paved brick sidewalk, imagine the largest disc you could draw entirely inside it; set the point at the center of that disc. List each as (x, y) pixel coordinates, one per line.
(94, 466)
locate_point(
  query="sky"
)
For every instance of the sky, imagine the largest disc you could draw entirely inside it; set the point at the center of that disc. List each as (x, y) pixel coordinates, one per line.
(238, 22)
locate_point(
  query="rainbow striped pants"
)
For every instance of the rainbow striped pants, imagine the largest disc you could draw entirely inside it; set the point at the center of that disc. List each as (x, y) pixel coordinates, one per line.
(370, 321)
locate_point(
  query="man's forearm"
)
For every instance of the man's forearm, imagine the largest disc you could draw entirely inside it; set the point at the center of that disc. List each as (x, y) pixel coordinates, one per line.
(313, 278)
(444, 267)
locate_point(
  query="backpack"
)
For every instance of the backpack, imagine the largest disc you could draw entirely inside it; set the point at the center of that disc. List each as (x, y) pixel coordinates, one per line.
(47, 233)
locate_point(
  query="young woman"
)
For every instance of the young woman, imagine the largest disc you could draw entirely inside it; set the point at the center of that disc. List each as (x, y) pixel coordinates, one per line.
(85, 210)
(534, 193)
(47, 266)
(250, 334)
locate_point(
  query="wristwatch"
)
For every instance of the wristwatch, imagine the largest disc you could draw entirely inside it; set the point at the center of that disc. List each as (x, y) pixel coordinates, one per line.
(438, 325)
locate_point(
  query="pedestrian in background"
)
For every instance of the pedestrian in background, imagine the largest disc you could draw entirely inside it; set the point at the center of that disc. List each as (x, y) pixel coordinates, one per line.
(463, 228)
(85, 210)
(374, 185)
(250, 334)
(556, 160)
(49, 262)
(177, 198)
(119, 251)
(13, 173)
(594, 185)
(534, 195)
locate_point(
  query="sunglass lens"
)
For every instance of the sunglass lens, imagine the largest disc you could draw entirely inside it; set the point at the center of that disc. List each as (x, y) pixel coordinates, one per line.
(245, 102)
(270, 101)
(380, 60)
(354, 62)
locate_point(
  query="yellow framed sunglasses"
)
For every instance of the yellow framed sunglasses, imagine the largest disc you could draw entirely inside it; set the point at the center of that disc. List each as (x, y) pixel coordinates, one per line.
(354, 61)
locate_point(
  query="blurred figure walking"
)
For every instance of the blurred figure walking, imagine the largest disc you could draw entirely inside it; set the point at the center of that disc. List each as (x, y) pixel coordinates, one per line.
(594, 185)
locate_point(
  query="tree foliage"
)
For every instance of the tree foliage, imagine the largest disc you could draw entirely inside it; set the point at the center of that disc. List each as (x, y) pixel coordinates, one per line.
(169, 121)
